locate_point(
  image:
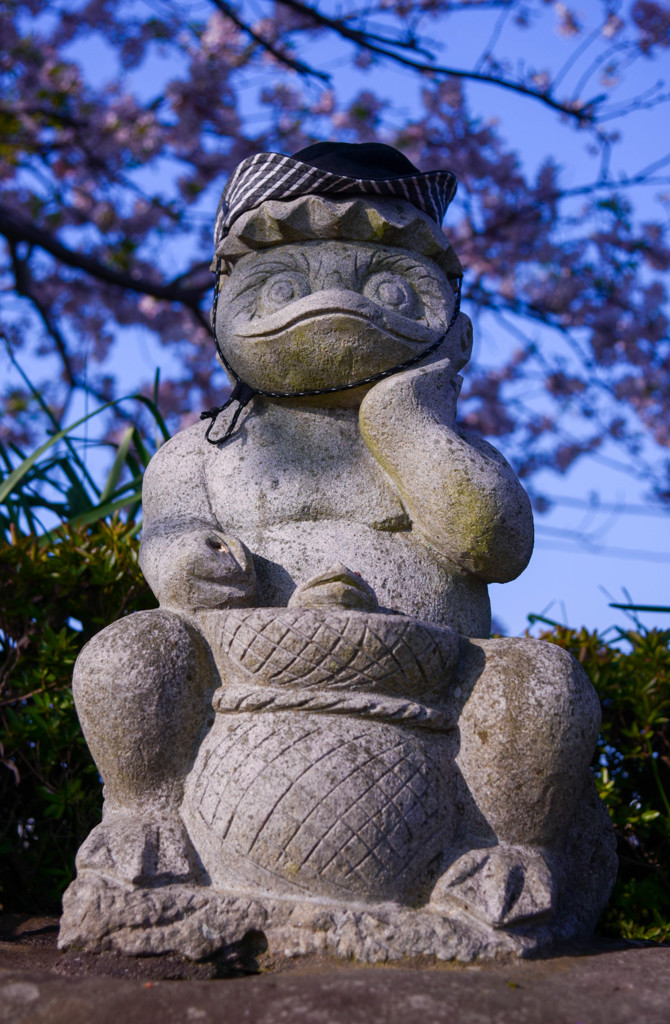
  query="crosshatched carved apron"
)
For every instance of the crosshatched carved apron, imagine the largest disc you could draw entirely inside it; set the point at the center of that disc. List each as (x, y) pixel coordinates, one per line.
(329, 769)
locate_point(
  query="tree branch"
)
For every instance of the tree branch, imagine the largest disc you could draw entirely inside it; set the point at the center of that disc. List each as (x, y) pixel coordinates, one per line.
(23, 281)
(295, 65)
(583, 115)
(16, 228)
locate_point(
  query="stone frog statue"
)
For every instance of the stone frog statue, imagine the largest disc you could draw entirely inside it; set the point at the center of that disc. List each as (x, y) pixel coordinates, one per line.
(313, 736)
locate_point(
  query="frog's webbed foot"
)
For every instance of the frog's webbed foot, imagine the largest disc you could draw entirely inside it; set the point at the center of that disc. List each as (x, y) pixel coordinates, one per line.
(142, 852)
(501, 885)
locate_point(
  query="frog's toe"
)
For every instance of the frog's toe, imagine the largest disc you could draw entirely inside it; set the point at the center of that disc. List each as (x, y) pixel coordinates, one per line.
(140, 852)
(501, 885)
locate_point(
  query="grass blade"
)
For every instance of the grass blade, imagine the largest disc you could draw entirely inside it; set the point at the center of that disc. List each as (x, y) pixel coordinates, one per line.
(120, 460)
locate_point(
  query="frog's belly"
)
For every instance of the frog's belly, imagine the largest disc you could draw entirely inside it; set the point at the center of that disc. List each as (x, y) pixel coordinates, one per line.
(407, 575)
(320, 805)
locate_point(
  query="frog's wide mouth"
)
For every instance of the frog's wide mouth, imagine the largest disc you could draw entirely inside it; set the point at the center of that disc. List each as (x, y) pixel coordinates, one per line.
(337, 303)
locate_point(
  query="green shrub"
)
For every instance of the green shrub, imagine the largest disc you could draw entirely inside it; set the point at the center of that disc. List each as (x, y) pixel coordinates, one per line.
(68, 567)
(50, 793)
(632, 767)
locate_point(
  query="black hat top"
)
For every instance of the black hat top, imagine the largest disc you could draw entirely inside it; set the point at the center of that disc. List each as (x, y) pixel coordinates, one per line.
(336, 170)
(363, 160)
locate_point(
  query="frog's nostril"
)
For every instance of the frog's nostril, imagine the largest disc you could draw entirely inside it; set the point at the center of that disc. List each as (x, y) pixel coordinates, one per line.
(217, 545)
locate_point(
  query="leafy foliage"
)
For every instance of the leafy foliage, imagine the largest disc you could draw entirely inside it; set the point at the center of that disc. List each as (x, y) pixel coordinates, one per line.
(631, 673)
(66, 583)
(55, 480)
(62, 594)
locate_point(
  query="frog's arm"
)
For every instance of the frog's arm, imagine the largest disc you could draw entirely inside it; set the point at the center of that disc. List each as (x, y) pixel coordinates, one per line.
(459, 491)
(186, 559)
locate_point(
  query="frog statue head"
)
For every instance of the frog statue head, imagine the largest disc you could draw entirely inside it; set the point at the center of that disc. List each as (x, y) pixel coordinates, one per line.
(344, 278)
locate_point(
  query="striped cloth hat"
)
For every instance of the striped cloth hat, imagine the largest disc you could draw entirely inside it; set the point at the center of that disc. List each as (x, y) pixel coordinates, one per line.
(333, 169)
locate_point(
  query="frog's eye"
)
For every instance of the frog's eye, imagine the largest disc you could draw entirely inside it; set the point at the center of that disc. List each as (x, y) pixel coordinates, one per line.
(280, 289)
(391, 291)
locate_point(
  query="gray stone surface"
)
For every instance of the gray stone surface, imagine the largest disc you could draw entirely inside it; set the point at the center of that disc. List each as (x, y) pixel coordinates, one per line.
(312, 740)
(599, 984)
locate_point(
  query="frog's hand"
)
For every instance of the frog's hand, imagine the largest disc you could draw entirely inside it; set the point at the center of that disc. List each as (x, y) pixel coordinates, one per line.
(459, 491)
(433, 386)
(187, 559)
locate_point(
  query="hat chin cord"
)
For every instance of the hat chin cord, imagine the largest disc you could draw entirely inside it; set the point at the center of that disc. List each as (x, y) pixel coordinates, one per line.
(243, 393)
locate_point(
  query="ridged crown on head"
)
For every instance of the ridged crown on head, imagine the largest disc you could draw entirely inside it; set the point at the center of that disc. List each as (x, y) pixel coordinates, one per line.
(334, 169)
(373, 219)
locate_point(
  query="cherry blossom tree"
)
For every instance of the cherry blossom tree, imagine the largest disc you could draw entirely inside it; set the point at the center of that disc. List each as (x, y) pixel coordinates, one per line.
(110, 176)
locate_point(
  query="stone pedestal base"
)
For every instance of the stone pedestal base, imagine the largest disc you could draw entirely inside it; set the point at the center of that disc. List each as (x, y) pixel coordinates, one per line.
(198, 923)
(103, 914)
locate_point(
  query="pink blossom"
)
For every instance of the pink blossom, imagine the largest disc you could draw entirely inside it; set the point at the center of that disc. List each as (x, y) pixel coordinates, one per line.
(653, 21)
(132, 185)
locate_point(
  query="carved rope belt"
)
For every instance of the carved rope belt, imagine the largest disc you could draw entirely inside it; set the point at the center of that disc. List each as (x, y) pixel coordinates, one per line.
(365, 664)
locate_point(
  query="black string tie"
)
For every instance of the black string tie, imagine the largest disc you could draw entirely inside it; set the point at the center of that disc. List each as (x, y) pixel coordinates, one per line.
(242, 394)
